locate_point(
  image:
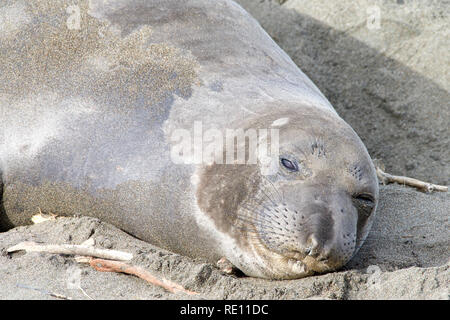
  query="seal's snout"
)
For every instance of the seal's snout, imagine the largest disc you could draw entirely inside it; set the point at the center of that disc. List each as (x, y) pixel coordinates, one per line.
(317, 229)
(332, 241)
(329, 254)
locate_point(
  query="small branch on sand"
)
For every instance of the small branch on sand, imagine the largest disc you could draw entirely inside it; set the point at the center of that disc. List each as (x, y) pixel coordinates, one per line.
(85, 253)
(72, 249)
(387, 178)
(122, 267)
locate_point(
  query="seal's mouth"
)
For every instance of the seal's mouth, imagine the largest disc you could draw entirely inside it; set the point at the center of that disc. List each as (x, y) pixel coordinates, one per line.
(293, 264)
(298, 263)
(294, 261)
(296, 255)
(297, 266)
(304, 262)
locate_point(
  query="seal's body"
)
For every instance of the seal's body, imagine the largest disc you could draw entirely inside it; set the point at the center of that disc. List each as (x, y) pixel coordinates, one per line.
(92, 94)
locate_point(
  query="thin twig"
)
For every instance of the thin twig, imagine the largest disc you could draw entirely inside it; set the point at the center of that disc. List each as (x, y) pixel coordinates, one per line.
(52, 294)
(72, 249)
(122, 267)
(85, 293)
(387, 178)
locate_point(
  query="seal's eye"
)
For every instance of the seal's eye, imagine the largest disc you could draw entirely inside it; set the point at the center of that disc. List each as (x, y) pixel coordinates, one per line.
(365, 203)
(365, 198)
(288, 164)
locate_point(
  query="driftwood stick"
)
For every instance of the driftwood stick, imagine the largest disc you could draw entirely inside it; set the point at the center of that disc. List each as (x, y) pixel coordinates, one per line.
(86, 254)
(72, 249)
(122, 267)
(387, 178)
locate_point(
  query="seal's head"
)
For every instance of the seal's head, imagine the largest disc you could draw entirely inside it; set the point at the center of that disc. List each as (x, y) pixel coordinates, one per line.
(311, 214)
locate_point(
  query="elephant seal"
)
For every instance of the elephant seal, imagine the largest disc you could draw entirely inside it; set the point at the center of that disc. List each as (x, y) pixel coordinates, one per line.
(95, 98)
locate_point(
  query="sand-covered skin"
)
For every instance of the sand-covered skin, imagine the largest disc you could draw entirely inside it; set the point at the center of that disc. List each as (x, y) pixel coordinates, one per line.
(405, 258)
(392, 86)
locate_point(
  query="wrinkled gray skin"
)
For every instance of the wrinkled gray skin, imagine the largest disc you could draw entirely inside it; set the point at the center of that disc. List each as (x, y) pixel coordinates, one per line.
(87, 116)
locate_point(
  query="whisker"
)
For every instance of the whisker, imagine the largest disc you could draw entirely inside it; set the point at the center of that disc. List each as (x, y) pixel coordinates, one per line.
(280, 197)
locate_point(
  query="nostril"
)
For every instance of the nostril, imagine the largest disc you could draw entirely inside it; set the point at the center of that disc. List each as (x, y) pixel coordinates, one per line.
(314, 248)
(313, 253)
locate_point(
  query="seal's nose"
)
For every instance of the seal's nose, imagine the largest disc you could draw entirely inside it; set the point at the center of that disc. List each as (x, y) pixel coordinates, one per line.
(317, 250)
(313, 249)
(332, 224)
(330, 255)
